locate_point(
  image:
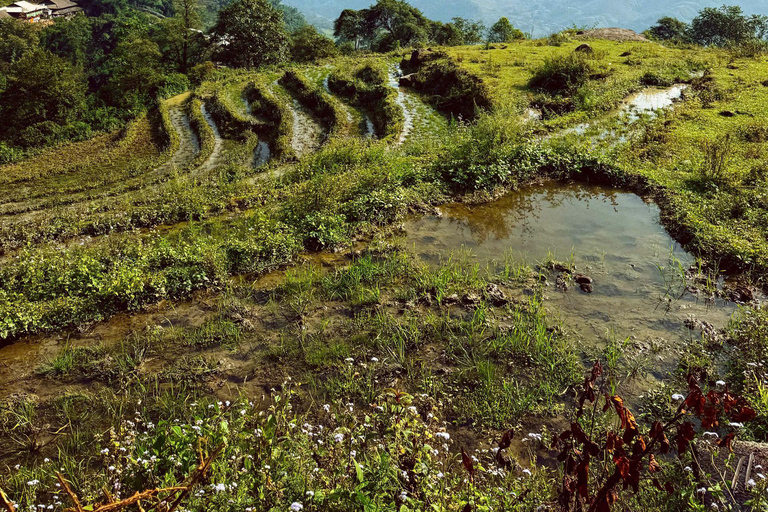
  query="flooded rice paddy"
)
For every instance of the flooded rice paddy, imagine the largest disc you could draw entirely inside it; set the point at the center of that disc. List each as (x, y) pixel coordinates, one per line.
(639, 296)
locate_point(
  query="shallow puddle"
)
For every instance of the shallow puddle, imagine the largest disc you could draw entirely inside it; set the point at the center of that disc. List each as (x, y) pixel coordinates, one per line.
(613, 236)
(261, 155)
(645, 102)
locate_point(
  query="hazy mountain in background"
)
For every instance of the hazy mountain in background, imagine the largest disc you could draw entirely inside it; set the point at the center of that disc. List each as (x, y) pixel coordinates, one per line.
(541, 17)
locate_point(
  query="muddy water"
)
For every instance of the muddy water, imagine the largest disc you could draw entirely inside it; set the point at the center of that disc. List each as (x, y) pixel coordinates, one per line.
(614, 237)
(261, 155)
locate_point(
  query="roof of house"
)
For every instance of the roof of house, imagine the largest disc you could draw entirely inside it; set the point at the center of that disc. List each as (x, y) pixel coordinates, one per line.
(22, 6)
(59, 4)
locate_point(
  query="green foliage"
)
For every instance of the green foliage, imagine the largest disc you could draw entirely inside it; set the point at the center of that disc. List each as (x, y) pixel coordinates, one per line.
(562, 74)
(40, 101)
(251, 34)
(503, 32)
(669, 29)
(293, 18)
(384, 26)
(452, 89)
(727, 26)
(180, 38)
(16, 40)
(309, 45)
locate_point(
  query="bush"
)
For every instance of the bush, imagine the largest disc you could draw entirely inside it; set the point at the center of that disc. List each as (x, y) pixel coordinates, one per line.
(309, 45)
(9, 154)
(562, 74)
(453, 89)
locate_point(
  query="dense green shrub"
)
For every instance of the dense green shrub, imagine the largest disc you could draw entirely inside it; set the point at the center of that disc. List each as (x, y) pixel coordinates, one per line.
(452, 89)
(562, 74)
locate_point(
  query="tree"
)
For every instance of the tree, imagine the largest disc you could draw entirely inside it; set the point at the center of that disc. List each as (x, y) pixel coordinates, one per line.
(384, 26)
(727, 26)
(16, 40)
(181, 39)
(348, 27)
(502, 32)
(447, 34)
(292, 17)
(41, 88)
(69, 39)
(393, 23)
(669, 29)
(251, 33)
(471, 31)
(134, 76)
(310, 45)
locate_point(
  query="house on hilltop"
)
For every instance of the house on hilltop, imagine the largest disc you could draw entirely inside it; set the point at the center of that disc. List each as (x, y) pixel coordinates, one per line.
(62, 8)
(47, 10)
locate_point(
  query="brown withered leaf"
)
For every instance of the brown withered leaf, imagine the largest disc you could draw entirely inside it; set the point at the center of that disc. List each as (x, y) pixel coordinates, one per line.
(742, 413)
(579, 435)
(467, 463)
(597, 370)
(506, 439)
(582, 477)
(502, 459)
(669, 488)
(727, 441)
(635, 468)
(613, 442)
(622, 466)
(685, 434)
(628, 422)
(653, 464)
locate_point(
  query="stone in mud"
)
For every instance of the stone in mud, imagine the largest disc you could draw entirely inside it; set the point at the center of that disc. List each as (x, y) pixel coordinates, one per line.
(495, 296)
(584, 48)
(582, 279)
(741, 294)
(560, 267)
(470, 299)
(426, 299)
(561, 283)
(586, 287)
(407, 80)
(451, 300)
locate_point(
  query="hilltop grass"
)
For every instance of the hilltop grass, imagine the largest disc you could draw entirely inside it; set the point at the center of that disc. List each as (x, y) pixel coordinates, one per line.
(614, 71)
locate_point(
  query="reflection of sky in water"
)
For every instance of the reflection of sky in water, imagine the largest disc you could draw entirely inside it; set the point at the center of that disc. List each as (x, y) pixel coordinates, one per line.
(614, 236)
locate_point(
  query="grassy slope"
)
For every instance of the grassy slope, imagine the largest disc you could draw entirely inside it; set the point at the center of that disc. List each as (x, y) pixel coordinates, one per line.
(466, 366)
(723, 217)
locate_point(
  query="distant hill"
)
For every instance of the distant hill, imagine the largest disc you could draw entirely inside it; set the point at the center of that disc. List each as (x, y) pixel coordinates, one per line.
(541, 17)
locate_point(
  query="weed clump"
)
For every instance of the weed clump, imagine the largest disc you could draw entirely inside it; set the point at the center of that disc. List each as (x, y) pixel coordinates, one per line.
(563, 74)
